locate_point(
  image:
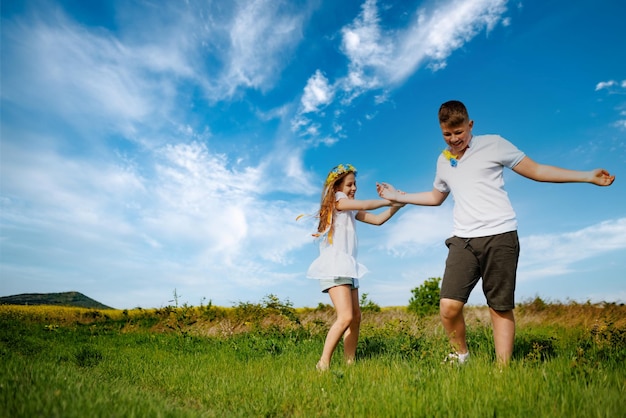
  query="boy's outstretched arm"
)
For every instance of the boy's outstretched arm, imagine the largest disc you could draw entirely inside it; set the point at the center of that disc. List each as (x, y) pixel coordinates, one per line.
(547, 173)
(431, 198)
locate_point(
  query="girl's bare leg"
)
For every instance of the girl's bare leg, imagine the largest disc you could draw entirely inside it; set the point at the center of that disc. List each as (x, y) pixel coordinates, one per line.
(341, 297)
(351, 336)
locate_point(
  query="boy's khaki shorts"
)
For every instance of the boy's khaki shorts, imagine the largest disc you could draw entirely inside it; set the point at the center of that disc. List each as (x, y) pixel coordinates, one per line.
(494, 258)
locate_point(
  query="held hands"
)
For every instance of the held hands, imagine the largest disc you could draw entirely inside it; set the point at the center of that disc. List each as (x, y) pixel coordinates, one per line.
(599, 177)
(387, 191)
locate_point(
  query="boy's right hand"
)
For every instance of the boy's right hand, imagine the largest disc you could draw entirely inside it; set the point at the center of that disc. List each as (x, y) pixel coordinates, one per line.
(601, 177)
(386, 191)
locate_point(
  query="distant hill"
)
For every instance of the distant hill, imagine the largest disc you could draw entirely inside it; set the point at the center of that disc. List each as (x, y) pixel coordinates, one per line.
(59, 299)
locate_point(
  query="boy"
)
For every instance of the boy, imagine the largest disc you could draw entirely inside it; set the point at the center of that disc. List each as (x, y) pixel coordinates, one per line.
(485, 242)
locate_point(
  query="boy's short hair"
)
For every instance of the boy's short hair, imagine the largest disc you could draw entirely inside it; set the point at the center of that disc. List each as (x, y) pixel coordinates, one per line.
(453, 113)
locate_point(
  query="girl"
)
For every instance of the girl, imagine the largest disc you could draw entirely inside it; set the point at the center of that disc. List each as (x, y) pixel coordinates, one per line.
(337, 267)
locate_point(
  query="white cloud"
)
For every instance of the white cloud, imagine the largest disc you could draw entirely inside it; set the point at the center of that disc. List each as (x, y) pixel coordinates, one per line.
(83, 77)
(195, 220)
(367, 49)
(418, 228)
(611, 85)
(127, 82)
(556, 254)
(382, 59)
(262, 34)
(317, 93)
(435, 34)
(605, 84)
(66, 189)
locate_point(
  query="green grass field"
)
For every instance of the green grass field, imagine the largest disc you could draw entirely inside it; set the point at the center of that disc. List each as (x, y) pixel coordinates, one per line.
(259, 361)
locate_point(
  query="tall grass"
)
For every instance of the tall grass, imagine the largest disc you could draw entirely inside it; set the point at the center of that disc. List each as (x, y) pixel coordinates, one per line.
(258, 361)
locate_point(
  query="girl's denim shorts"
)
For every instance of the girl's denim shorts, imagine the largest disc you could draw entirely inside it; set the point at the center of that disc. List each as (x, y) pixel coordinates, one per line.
(326, 284)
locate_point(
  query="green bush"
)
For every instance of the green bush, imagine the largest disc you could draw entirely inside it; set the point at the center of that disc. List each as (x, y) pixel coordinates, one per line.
(368, 305)
(425, 299)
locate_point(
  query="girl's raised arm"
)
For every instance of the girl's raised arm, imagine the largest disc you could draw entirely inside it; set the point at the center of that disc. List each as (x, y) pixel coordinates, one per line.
(377, 218)
(354, 204)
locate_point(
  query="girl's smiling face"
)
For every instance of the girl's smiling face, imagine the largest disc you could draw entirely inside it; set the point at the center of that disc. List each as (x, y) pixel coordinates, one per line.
(348, 185)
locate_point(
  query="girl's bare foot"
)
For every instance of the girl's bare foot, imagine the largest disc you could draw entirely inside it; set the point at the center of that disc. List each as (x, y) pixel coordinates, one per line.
(321, 366)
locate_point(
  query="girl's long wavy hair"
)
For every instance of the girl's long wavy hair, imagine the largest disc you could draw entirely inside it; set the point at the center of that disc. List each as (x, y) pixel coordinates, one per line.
(327, 203)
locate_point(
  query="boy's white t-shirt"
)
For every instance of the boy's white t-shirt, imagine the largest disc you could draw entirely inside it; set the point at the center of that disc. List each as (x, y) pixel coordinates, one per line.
(481, 205)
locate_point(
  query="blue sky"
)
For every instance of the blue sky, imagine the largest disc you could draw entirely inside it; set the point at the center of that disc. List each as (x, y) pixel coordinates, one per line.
(148, 147)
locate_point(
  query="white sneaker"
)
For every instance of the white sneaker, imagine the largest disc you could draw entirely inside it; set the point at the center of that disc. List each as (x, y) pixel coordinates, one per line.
(457, 358)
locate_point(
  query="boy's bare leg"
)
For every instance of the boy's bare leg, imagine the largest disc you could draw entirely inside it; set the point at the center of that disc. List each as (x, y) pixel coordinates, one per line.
(351, 337)
(451, 313)
(503, 323)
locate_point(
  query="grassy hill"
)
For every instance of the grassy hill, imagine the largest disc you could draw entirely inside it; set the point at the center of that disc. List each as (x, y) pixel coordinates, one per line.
(76, 299)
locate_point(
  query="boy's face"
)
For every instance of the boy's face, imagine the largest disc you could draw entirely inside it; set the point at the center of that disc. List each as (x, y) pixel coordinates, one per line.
(457, 137)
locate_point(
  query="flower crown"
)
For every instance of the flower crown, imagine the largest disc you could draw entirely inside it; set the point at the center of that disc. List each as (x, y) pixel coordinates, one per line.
(450, 157)
(338, 171)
